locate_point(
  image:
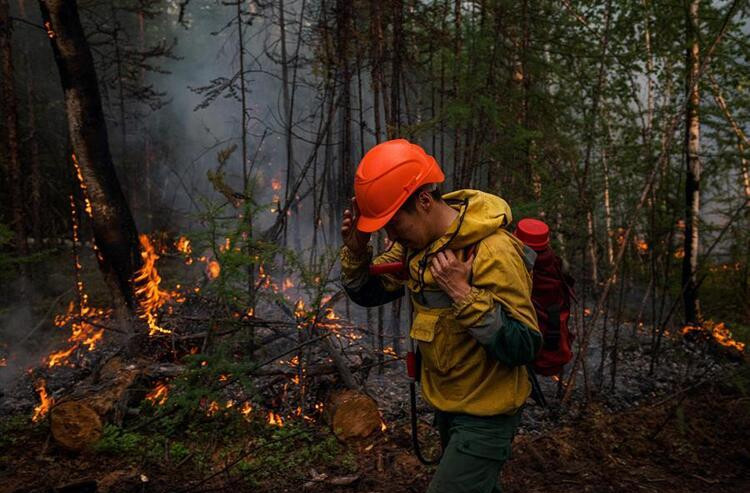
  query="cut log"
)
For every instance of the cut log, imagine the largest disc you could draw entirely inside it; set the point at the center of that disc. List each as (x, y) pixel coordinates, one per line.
(352, 415)
(75, 425)
(77, 419)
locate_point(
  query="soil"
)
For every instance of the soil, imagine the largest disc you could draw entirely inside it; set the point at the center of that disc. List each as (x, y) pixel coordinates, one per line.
(696, 440)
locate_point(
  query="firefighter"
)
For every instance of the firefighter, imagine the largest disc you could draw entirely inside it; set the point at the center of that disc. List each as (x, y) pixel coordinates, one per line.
(470, 286)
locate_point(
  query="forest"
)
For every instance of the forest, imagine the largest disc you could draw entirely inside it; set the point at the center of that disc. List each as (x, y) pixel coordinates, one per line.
(173, 177)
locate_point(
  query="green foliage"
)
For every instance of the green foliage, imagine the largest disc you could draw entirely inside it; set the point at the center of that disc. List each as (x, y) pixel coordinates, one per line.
(16, 427)
(290, 451)
(117, 441)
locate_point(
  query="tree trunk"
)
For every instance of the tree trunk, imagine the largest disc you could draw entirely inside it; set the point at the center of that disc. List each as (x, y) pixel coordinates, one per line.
(36, 178)
(10, 106)
(115, 233)
(693, 168)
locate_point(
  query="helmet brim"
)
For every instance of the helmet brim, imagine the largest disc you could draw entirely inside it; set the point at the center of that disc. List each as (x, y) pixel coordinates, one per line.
(372, 224)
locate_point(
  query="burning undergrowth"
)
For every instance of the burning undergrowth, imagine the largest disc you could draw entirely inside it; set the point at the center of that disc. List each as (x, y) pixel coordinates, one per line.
(201, 358)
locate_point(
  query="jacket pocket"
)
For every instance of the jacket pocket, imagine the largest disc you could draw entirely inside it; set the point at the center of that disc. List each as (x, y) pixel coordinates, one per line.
(439, 340)
(424, 326)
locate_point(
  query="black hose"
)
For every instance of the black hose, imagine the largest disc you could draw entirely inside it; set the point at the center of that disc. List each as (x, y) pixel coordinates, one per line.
(414, 431)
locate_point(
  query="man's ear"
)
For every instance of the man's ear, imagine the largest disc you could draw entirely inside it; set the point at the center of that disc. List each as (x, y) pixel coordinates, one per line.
(425, 200)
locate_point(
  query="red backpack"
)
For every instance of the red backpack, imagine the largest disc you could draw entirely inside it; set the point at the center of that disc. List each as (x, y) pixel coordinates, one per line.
(552, 293)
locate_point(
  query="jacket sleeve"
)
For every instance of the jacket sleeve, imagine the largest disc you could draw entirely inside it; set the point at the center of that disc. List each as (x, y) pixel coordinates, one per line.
(498, 311)
(360, 286)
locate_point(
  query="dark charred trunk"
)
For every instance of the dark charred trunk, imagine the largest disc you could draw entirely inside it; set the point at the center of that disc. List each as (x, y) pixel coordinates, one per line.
(10, 107)
(114, 230)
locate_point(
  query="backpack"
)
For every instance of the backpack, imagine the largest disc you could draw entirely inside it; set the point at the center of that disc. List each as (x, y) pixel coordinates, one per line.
(551, 293)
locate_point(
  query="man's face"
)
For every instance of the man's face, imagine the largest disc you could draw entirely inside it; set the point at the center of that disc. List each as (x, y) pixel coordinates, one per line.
(410, 228)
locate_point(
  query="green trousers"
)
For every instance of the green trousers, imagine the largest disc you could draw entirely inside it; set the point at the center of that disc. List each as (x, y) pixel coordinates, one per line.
(474, 450)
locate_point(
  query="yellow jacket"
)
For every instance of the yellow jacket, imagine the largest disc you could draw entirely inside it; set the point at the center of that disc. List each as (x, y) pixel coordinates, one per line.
(472, 351)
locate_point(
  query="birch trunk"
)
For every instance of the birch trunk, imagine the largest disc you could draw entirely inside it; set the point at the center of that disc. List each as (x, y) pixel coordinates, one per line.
(692, 167)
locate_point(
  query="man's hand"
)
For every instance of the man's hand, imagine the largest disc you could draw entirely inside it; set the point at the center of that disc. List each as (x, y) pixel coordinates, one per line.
(354, 239)
(451, 274)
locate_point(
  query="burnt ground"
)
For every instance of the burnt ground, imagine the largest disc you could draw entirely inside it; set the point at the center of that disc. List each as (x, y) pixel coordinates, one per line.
(693, 440)
(684, 428)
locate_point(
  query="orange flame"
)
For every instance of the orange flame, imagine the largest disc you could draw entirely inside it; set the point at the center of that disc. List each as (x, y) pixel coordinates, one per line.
(275, 184)
(226, 246)
(150, 295)
(84, 332)
(159, 395)
(213, 269)
(274, 419)
(46, 401)
(82, 184)
(299, 308)
(213, 408)
(183, 246)
(50, 32)
(287, 284)
(247, 408)
(719, 332)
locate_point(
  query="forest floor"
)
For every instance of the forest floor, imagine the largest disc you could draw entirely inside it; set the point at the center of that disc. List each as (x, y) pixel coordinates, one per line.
(684, 429)
(694, 440)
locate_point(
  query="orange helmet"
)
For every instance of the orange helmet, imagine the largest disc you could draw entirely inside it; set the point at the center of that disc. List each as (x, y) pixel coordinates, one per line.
(387, 175)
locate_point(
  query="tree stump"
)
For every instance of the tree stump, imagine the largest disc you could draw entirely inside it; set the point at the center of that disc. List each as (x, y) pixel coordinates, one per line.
(352, 415)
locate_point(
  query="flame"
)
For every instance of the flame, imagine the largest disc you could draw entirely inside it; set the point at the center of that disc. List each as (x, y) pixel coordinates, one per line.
(50, 32)
(226, 246)
(389, 351)
(84, 331)
(274, 419)
(299, 308)
(183, 245)
(159, 395)
(213, 269)
(3, 362)
(82, 184)
(287, 284)
(586, 312)
(46, 401)
(642, 246)
(383, 426)
(247, 408)
(679, 253)
(265, 281)
(150, 295)
(229, 404)
(275, 184)
(556, 378)
(213, 408)
(718, 331)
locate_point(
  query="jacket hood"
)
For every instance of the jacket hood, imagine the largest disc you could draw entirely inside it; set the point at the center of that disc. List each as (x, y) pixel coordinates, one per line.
(480, 214)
